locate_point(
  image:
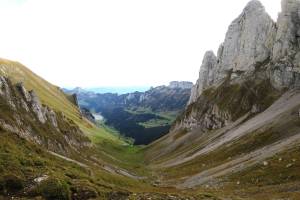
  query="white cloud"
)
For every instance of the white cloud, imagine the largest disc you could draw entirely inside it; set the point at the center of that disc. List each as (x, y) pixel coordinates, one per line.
(116, 42)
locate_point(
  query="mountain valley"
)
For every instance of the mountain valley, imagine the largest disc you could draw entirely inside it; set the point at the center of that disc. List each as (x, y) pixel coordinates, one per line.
(234, 135)
(143, 116)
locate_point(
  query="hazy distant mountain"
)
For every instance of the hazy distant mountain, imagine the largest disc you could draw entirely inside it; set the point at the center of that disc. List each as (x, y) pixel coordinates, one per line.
(117, 90)
(144, 116)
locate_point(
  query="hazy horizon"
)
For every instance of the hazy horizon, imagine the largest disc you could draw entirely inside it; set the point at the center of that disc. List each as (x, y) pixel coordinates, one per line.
(116, 43)
(122, 86)
(112, 89)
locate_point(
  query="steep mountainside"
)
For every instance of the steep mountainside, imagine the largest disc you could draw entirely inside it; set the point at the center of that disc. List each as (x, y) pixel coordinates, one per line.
(240, 131)
(16, 72)
(143, 116)
(23, 114)
(237, 139)
(48, 150)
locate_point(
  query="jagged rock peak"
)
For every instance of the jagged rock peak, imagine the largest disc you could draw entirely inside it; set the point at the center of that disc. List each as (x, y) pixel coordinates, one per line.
(23, 91)
(37, 107)
(287, 37)
(249, 40)
(208, 55)
(248, 43)
(75, 100)
(206, 75)
(289, 5)
(6, 92)
(253, 6)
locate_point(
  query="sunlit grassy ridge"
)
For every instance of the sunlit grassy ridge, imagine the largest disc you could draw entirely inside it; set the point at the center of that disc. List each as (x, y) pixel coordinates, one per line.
(112, 148)
(52, 96)
(45, 90)
(108, 153)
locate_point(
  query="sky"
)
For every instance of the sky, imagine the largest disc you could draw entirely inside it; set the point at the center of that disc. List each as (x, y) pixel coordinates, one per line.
(93, 43)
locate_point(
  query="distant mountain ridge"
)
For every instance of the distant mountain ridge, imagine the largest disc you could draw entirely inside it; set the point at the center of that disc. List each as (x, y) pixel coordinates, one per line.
(161, 98)
(144, 116)
(126, 90)
(108, 89)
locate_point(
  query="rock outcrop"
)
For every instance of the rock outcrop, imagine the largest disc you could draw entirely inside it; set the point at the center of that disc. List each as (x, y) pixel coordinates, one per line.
(50, 115)
(248, 43)
(87, 114)
(206, 75)
(5, 91)
(73, 98)
(255, 49)
(23, 114)
(288, 32)
(23, 92)
(285, 63)
(37, 107)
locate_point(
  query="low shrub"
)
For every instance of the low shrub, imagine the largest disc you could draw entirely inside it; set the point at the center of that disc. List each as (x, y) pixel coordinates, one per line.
(54, 189)
(11, 183)
(80, 192)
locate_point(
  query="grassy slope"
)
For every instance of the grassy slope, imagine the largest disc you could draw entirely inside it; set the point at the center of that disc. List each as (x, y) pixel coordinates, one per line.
(115, 151)
(28, 161)
(235, 99)
(46, 91)
(52, 96)
(280, 178)
(25, 161)
(57, 100)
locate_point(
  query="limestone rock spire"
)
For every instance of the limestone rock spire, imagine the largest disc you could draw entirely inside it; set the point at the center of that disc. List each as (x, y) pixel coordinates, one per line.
(206, 75)
(249, 40)
(288, 33)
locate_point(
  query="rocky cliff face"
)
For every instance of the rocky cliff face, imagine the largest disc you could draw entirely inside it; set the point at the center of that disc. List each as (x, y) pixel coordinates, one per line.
(255, 49)
(248, 42)
(288, 31)
(206, 75)
(23, 114)
(243, 114)
(88, 115)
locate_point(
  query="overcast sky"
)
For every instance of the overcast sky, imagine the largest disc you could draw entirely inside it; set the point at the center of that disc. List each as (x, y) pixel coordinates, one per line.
(92, 43)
